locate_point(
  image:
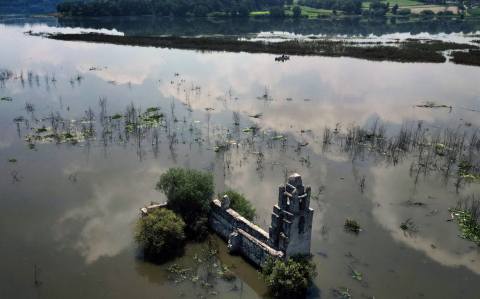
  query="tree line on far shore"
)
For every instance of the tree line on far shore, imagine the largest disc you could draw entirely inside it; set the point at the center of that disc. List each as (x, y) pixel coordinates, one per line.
(200, 8)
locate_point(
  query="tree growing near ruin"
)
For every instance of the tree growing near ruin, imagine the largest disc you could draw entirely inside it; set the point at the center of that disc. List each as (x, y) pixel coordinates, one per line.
(160, 229)
(189, 194)
(291, 278)
(239, 204)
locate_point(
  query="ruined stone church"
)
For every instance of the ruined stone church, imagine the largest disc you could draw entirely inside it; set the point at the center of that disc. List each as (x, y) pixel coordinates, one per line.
(290, 231)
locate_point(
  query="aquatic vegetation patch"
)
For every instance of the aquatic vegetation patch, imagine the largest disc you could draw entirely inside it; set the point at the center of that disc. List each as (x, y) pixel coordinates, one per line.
(472, 57)
(155, 117)
(41, 130)
(153, 109)
(117, 116)
(12, 160)
(429, 104)
(469, 225)
(352, 225)
(410, 51)
(253, 129)
(278, 137)
(357, 275)
(8, 99)
(467, 211)
(341, 294)
(465, 171)
(409, 228)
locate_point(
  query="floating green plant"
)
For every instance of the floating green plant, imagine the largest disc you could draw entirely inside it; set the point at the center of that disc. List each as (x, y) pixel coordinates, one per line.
(41, 130)
(357, 275)
(12, 160)
(464, 171)
(469, 225)
(352, 225)
(153, 109)
(8, 99)
(117, 116)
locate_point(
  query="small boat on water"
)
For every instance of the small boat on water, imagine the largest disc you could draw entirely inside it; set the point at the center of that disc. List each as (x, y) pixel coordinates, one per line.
(282, 58)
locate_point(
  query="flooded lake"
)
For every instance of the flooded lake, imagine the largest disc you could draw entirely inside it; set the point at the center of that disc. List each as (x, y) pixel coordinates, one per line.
(68, 208)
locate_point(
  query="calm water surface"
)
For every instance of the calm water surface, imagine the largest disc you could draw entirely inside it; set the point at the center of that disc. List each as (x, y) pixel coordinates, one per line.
(72, 209)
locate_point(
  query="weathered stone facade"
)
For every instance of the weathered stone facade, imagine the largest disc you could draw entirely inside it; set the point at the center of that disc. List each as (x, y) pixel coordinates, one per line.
(290, 232)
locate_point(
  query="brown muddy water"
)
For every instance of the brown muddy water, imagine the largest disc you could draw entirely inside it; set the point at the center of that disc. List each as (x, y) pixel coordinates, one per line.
(69, 208)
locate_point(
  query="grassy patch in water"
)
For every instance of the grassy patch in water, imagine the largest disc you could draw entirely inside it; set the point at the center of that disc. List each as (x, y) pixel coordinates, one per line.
(41, 130)
(410, 51)
(471, 57)
(469, 225)
(153, 109)
(12, 160)
(465, 171)
(156, 116)
(352, 226)
(357, 275)
(117, 116)
(8, 99)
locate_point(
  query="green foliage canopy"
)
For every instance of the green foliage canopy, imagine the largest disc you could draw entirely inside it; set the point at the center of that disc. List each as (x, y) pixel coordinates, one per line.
(277, 11)
(296, 11)
(394, 9)
(178, 8)
(290, 278)
(189, 193)
(239, 203)
(404, 11)
(347, 6)
(427, 12)
(160, 229)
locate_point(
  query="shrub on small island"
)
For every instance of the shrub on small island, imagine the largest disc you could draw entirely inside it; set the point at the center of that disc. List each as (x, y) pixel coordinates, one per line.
(239, 203)
(291, 278)
(160, 229)
(189, 193)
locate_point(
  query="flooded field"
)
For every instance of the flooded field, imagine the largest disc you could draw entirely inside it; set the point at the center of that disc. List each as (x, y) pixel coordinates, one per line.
(87, 129)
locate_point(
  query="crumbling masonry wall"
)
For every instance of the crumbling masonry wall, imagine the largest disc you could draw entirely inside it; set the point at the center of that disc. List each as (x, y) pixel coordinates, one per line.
(290, 231)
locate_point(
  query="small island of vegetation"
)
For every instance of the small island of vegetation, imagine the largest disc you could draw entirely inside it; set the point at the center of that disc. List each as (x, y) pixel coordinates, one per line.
(400, 51)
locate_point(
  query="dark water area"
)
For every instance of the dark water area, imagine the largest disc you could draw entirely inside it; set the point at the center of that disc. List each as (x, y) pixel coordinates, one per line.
(69, 208)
